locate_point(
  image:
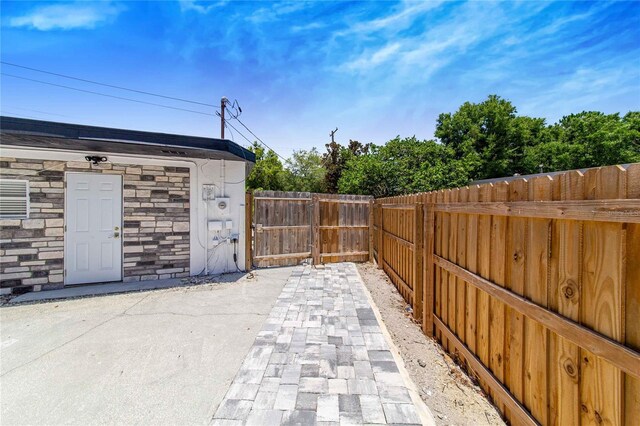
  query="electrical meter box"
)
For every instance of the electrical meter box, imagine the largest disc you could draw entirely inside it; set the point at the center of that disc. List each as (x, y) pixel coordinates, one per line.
(208, 192)
(221, 206)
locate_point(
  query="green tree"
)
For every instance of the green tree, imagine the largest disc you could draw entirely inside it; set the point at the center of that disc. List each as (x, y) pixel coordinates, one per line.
(336, 158)
(268, 172)
(403, 166)
(488, 137)
(587, 139)
(305, 172)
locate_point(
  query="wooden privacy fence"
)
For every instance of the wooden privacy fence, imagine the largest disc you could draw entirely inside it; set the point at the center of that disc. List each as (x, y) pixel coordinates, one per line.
(291, 226)
(533, 283)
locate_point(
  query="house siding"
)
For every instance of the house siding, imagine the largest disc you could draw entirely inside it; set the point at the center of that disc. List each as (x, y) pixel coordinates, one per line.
(156, 208)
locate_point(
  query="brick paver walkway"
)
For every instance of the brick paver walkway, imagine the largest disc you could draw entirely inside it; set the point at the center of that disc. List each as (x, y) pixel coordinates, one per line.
(320, 359)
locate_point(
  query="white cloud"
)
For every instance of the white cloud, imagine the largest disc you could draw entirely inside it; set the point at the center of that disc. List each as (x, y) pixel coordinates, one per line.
(276, 11)
(435, 46)
(401, 18)
(67, 16)
(196, 6)
(585, 88)
(373, 59)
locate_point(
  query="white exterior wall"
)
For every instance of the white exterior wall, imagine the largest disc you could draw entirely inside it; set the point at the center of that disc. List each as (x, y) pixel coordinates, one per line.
(228, 177)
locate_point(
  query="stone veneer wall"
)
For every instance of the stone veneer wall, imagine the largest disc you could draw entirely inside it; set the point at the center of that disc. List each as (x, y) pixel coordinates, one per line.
(156, 223)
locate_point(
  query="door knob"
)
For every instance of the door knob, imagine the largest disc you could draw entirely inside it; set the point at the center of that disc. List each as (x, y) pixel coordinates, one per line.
(116, 235)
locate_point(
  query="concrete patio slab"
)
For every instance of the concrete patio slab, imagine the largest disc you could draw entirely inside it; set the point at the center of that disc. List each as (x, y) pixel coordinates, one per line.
(325, 358)
(158, 357)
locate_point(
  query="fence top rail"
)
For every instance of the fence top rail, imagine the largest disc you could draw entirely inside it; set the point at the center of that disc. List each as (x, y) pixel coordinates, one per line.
(407, 206)
(612, 210)
(281, 194)
(341, 201)
(281, 198)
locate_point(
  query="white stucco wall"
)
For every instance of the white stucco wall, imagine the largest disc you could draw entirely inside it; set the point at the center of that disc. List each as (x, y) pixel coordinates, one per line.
(227, 176)
(229, 180)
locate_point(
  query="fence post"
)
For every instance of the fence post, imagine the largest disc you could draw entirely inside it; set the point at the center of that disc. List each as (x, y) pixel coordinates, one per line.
(429, 291)
(248, 230)
(371, 206)
(315, 229)
(417, 262)
(381, 237)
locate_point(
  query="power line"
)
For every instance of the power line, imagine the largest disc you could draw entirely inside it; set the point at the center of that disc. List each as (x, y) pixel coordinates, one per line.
(108, 85)
(226, 122)
(38, 111)
(135, 100)
(106, 95)
(19, 115)
(260, 140)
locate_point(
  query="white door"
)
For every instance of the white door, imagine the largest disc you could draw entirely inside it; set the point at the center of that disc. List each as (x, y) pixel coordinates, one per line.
(93, 238)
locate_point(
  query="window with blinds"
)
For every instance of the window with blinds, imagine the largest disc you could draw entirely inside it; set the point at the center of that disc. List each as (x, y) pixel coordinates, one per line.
(14, 199)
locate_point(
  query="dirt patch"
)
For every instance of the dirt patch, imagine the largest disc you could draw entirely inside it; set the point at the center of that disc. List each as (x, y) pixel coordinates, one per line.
(446, 389)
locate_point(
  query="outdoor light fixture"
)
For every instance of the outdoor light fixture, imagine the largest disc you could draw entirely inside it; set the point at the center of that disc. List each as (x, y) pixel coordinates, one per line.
(95, 159)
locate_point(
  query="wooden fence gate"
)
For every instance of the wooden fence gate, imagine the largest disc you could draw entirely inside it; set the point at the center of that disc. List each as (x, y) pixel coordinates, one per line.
(289, 227)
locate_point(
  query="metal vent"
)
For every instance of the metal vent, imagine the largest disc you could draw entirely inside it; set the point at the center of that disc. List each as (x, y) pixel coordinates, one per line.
(14, 199)
(178, 153)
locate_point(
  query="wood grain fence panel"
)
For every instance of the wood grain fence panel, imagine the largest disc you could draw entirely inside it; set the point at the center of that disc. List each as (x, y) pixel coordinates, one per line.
(461, 259)
(452, 243)
(500, 192)
(525, 278)
(565, 288)
(430, 287)
(602, 303)
(471, 318)
(484, 266)
(632, 296)
(515, 281)
(536, 289)
(438, 198)
(444, 275)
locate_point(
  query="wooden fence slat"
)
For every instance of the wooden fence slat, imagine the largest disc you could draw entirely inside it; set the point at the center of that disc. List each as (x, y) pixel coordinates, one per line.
(484, 267)
(602, 301)
(536, 344)
(429, 290)
(632, 307)
(497, 320)
(471, 255)
(565, 287)
(515, 279)
(418, 279)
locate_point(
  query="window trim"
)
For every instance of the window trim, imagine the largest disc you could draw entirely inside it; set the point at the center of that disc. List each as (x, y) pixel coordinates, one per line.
(27, 196)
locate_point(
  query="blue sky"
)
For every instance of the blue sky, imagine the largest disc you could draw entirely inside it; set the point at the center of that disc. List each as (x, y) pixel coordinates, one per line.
(299, 69)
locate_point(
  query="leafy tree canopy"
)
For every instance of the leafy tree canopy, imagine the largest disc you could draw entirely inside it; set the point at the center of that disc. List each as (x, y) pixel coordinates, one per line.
(478, 141)
(305, 172)
(268, 172)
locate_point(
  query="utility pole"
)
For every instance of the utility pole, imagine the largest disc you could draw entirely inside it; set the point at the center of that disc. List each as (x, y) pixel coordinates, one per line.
(223, 102)
(333, 133)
